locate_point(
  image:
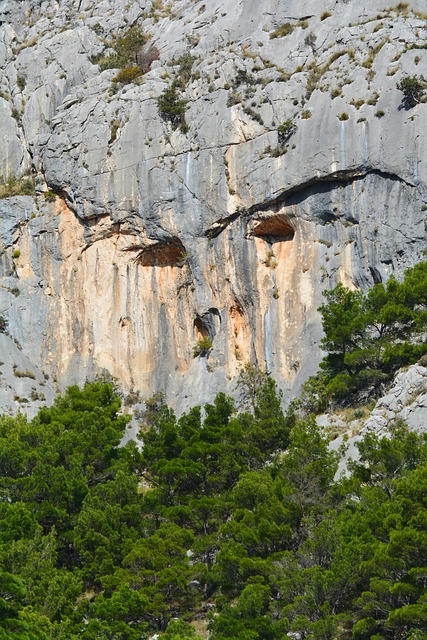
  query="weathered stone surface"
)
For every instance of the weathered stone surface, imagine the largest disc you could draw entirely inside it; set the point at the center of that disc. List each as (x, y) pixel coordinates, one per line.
(406, 400)
(157, 237)
(23, 387)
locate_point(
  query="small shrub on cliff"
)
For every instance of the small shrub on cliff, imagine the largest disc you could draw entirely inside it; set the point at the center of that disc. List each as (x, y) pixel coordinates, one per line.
(114, 127)
(129, 52)
(284, 132)
(20, 81)
(282, 31)
(23, 374)
(172, 108)
(185, 64)
(413, 91)
(202, 346)
(14, 186)
(127, 75)
(129, 47)
(50, 196)
(131, 399)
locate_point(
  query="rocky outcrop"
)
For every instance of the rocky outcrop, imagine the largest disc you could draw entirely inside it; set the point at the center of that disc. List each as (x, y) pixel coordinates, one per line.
(141, 239)
(405, 402)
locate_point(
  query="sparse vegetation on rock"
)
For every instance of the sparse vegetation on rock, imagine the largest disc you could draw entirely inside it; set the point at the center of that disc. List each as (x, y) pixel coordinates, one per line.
(130, 55)
(127, 75)
(13, 186)
(413, 89)
(172, 107)
(282, 31)
(202, 346)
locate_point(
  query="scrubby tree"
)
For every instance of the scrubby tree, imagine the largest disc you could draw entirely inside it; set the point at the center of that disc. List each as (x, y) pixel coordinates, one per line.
(368, 336)
(413, 89)
(172, 107)
(249, 381)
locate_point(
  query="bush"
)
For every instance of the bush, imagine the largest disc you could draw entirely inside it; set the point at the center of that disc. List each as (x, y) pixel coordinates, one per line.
(127, 75)
(14, 186)
(129, 52)
(202, 346)
(172, 108)
(285, 130)
(114, 127)
(112, 61)
(131, 399)
(185, 63)
(49, 196)
(313, 397)
(412, 89)
(282, 31)
(234, 98)
(24, 374)
(130, 46)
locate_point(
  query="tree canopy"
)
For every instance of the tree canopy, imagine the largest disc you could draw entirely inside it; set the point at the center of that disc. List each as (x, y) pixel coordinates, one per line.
(368, 336)
(228, 521)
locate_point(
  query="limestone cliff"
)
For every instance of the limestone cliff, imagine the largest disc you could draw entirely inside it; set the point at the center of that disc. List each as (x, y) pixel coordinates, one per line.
(298, 166)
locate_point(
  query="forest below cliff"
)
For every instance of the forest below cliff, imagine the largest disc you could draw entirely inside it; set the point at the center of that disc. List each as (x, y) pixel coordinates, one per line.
(228, 520)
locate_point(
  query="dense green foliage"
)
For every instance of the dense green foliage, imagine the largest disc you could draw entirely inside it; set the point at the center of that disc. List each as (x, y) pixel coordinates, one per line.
(236, 514)
(368, 336)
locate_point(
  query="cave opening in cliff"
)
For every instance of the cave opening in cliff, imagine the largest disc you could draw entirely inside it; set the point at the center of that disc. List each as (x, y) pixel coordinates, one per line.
(207, 325)
(163, 254)
(200, 331)
(273, 229)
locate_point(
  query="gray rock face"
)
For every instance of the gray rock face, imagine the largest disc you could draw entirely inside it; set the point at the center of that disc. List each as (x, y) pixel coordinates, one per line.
(23, 386)
(406, 400)
(232, 230)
